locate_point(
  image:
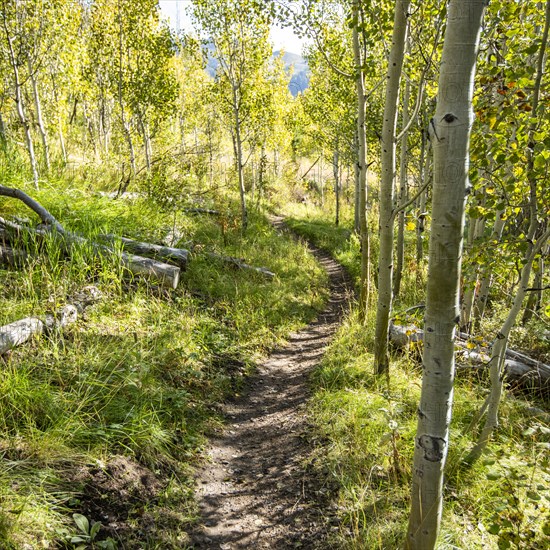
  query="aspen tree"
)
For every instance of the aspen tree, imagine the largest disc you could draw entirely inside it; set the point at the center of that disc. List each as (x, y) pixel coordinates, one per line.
(450, 136)
(361, 164)
(11, 37)
(403, 195)
(387, 201)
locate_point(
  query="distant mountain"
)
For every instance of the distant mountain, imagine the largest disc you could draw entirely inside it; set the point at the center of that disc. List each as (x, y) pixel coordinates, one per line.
(299, 80)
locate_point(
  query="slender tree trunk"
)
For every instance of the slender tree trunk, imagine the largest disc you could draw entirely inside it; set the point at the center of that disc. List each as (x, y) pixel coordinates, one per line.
(19, 103)
(89, 130)
(361, 169)
(422, 201)
(276, 163)
(403, 197)
(105, 124)
(253, 172)
(477, 228)
(534, 302)
(239, 160)
(451, 127)
(125, 124)
(357, 186)
(182, 133)
(320, 180)
(387, 205)
(3, 137)
(336, 172)
(262, 172)
(210, 158)
(485, 278)
(146, 142)
(39, 119)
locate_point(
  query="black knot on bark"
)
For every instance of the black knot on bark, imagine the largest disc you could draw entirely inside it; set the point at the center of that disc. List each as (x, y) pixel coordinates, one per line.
(433, 447)
(449, 117)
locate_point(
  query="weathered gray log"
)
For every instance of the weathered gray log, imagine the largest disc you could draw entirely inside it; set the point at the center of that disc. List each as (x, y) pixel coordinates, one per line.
(17, 333)
(515, 369)
(176, 256)
(240, 264)
(168, 275)
(401, 336)
(35, 206)
(12, 256)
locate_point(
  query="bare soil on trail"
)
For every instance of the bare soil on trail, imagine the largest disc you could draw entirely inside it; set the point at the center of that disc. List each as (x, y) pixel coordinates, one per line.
(255, 490)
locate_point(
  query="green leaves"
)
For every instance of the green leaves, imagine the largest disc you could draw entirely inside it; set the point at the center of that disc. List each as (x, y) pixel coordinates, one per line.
(82, 523)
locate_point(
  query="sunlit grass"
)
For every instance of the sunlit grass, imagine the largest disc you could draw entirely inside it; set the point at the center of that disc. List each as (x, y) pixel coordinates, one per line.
(366, 430)
(142, 371)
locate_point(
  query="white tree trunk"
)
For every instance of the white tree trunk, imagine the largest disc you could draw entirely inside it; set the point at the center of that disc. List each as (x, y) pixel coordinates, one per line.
(239, 160)
(451, 127)
(477, 228)
(403, 196)
(336, 172)
(486, 275)
(39, 119)
(361, 168)
(19, 103)
(422, 200)
(534, 302)
(357, 184)
(387, 182)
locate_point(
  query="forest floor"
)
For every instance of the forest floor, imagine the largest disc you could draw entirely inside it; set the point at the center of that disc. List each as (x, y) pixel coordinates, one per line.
(256, 488)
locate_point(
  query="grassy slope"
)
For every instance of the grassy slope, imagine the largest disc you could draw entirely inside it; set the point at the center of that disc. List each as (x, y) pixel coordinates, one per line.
(138, 376)
(366, 430)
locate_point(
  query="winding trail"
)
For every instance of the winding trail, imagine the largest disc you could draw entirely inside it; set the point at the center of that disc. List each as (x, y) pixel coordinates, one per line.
(256, 491)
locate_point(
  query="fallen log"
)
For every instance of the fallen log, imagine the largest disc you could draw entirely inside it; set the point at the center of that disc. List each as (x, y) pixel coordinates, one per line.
(240, 264)
(35, 206)
(515, 368)
(177, 256)
(17, 333)
(167, 275)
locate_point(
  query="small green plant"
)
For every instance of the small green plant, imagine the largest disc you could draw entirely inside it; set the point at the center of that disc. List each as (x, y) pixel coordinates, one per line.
(87, 535)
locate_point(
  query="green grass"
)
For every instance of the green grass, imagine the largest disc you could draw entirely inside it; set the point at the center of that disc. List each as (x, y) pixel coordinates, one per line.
(141, 373)
(365, 432)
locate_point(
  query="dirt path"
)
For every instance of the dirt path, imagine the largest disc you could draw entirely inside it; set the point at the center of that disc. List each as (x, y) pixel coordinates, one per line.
(255, 492)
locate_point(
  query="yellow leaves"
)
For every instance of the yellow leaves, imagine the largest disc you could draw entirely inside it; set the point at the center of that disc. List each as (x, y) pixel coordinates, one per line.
(411, 226)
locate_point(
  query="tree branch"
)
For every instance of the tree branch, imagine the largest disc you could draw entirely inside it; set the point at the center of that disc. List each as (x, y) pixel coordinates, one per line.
(36, 207)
